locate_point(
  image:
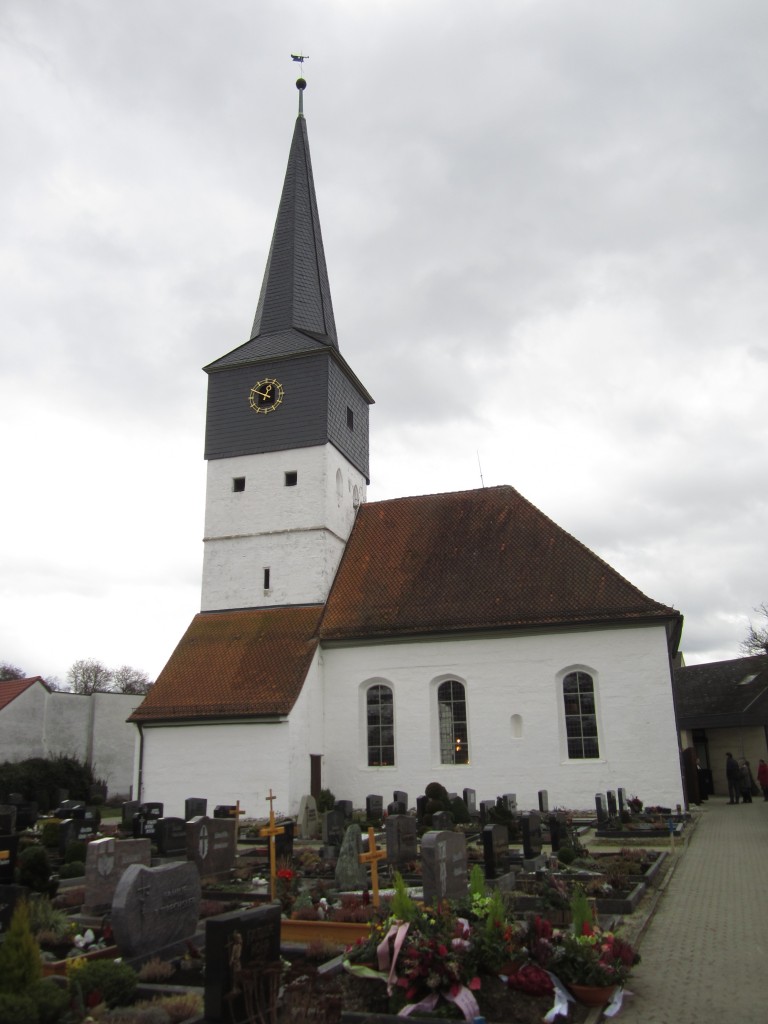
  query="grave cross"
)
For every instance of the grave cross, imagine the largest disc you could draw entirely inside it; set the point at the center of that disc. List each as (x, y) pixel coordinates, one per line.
(272, 830)
(373, 857)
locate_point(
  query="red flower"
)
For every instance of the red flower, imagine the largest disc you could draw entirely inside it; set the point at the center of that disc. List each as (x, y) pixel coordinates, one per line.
(475, 983)
(285, 873)
(587, 929)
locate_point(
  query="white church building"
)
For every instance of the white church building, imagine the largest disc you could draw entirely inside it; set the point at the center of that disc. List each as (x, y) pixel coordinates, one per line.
(365, 647)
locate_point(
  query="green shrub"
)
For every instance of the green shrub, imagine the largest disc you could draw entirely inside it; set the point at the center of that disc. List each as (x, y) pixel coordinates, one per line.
(75, 850)
(49, 833)
(19, 954)
(51, 1001)
(566, 855)
(41, 779)
(73, 869)
(459, 810)
(326, 801)
(44, 917)
(15, 1009)
(436, 791)
(114, 982)
(34, 868)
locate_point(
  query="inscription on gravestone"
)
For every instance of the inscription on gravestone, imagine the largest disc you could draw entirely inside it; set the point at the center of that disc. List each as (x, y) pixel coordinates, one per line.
(443, 867)
(171, 837)
(239, 948)
(212, 844)
(154, 907)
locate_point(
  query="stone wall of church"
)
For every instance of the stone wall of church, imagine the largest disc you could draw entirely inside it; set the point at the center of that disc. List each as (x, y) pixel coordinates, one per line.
(516, 720)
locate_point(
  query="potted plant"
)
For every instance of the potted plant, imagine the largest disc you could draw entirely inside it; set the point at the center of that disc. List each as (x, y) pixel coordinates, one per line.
(592, 964)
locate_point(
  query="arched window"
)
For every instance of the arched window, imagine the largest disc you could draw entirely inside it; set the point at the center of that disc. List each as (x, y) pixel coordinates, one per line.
(452, 723)
(580, 716)
(380, 712)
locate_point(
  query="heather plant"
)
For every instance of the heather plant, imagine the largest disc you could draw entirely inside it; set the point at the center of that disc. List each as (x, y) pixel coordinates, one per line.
(19, 954)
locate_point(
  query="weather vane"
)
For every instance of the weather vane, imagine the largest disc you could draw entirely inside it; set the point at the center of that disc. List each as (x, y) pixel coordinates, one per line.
(301, 83)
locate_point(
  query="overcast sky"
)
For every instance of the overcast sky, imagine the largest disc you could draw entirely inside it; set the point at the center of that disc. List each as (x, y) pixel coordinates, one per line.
(546, 232)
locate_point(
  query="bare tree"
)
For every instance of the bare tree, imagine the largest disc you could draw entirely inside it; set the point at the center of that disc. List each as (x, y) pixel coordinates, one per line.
(756, 640)
(130, 680)
(8, 671)
(89, 676)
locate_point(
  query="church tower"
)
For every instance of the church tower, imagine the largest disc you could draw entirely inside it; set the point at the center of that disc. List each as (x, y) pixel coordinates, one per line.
(286, 427)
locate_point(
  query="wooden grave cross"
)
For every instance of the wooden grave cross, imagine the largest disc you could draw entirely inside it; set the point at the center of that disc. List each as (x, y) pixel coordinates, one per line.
(272, 830)
(374, 855)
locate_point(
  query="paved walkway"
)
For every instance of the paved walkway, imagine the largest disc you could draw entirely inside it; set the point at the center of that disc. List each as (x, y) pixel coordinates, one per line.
(705, 949)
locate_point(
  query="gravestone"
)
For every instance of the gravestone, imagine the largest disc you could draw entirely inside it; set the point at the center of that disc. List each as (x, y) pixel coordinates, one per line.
(309, 821)
(130, 809)
(284, 841)
(421, 807)
(543, 801)
(7, 819)
(495, 850)
(9, 848)
(558, 831)
(26, 811)
(470, 799)
(105, 862)
(212, 845)
(622, 796)
(374, 807)
(531, 835)
(74, 830)
(397, 807)
(350, 873)
(602, 812)
(509, 802)
(613, 808)
(346, 808)
(66, 807)
(239, 947)
(486, 806)
(145, 820)
(10, 895)
(152, 809)
(443, 867)
(401, 836)
(401, 797)
(195, 807)
(171, 837)
(226, 811)
(442, 820)
(333, 828)
(154, 907)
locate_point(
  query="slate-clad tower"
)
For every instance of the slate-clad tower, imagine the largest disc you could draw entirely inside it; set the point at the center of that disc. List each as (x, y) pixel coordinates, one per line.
(287, 426)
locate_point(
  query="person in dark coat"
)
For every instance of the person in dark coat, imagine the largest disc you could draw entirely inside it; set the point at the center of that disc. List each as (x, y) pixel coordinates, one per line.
(746, 781)
(733, 775)
(762, 778)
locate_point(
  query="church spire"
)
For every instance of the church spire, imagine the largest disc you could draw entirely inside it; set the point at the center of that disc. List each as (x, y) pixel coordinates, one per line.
(295, 293)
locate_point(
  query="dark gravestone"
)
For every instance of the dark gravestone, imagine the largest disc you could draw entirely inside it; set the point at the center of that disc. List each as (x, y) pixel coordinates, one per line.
(333, 827)
(26, 811)
(152, 809)
(7, 819)
(442, 820)
(486, 806)
(509, 802)
(622, 797)
(212, 845)
(239, 948)
(67, 807)
(470, 799)
(225, 811)
(421, 807)
(401, 836)
(9, 847)
(374, 807)
(74, 830)
(130, 810)
(155, 907)
(401, 797)
(284, 841)
(531, 835)
(10, 895)
(195, 807)
(171, 837)
(543, 801)
(558, 831)
(613, 808)
(105, 862)
(443, 867)
(602, 812)
(495, 850)
(396, 807)
(346, 808)
(144, 826)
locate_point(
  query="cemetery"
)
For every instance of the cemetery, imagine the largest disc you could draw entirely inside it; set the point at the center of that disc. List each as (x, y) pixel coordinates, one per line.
(444, 906)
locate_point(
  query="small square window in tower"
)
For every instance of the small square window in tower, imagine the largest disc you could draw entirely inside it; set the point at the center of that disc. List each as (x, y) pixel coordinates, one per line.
(350, 419)
(291, 478)
(238, 483)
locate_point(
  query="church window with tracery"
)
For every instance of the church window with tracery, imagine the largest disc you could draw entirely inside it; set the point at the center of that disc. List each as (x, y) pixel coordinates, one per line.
(452, 723)
(380, 711)
(580, 715)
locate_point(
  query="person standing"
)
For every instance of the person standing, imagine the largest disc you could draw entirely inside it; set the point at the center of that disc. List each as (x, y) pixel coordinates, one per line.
(733, 775)
(746, 781)
(762, 778)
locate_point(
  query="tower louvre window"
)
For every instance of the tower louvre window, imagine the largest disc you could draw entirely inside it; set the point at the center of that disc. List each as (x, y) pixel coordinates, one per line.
(291, 478)
(350, 419)
(238, 483)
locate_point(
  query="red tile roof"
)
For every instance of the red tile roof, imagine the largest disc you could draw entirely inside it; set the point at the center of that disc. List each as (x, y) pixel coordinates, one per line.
(468, 561)
(235, 663)
(11, 688)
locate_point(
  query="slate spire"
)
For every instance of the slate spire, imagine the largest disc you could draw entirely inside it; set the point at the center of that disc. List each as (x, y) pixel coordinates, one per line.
(295, 293)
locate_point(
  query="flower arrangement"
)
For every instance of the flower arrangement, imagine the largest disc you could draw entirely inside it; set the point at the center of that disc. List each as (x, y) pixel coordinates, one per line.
(593, 958)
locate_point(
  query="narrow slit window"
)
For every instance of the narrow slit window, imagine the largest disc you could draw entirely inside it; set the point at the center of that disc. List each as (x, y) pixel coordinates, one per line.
(291, 478)
(350, 419)
(266, 578)
(238, 483)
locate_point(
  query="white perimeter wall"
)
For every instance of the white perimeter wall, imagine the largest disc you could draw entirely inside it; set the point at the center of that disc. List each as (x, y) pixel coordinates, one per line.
(22, 723)
(516, 721)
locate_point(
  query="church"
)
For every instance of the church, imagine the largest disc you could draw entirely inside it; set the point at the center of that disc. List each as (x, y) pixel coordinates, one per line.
(365, 647)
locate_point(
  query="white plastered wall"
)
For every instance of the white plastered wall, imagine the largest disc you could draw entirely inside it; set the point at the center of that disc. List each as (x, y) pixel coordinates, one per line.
(298, 532)
(515, 713)
(22, 725)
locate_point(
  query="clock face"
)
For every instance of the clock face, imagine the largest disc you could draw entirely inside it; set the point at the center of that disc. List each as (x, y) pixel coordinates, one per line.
(266, 395)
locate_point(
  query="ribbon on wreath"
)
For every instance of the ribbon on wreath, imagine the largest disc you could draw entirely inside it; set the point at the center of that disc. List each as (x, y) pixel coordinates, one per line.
(459, 995)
